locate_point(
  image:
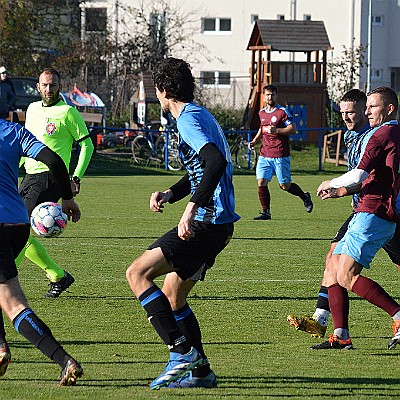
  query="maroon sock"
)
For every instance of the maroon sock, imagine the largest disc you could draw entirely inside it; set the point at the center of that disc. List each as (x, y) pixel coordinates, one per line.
(339, 305)
(375, 294)
(295, 190)
(265, 198)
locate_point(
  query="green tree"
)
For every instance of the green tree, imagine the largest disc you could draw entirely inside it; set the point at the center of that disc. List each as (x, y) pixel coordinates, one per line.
(38, 34)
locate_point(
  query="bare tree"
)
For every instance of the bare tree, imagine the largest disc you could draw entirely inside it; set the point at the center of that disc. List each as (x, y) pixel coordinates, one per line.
(343, 72)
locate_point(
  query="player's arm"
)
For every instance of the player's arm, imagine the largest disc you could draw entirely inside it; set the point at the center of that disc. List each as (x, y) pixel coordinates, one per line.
(351, 180)
(84, 158)
(175, 193)
(79, 131)
(60, 174)
(256, 139)
(286, 131)
(340, 192)
(214, 167)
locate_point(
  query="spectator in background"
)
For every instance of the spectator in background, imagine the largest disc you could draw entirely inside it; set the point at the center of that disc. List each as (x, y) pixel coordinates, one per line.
(5, 78)
(7, 94)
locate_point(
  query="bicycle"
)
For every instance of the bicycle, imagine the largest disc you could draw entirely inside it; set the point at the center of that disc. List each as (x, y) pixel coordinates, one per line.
(150, 146)
(243, 157)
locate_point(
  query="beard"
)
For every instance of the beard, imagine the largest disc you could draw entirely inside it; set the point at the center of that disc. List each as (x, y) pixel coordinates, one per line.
(53, 98)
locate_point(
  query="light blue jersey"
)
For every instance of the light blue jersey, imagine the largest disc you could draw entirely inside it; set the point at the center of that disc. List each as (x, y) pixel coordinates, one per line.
(354, 145)
(15, 142)
(197, 127)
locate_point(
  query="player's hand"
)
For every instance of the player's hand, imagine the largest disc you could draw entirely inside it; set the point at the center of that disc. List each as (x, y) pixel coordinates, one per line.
(72, 210)
(250, 145)
(184, 227)
(157, 200)
(271, 129)
(324, 188)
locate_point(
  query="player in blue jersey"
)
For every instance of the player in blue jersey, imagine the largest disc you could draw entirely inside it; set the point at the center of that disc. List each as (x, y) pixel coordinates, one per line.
(17, 142)
(186, 252)
(352, 106)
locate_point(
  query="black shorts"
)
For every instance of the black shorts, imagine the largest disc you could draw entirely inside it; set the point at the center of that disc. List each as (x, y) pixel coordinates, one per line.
(12, 240)
(392, 248)
(38, 188)
(192, 258)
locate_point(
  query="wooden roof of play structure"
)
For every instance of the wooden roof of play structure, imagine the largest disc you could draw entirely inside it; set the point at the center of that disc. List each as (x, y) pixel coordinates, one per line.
(299, 82)
(298, 36)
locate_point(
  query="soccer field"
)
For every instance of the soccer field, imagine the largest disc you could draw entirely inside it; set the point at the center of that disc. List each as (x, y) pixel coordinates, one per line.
(270, 269)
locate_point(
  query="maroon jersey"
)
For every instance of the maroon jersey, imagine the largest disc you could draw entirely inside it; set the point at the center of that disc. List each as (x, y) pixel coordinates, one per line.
(273, 145)
(381, 159)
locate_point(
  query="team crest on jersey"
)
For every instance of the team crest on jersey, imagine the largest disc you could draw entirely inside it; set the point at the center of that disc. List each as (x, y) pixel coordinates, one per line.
(273, 119)
(51, 128)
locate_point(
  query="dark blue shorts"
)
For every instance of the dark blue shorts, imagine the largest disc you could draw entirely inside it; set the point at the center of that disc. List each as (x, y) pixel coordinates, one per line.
(13, 238)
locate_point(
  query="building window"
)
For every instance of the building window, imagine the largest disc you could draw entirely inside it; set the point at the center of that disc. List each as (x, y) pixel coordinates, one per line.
(95, 19)
(280, 17)
(215, 78)
(376, 75)
(216, 25)
(253, 18)
(377, 20)
(307, 17)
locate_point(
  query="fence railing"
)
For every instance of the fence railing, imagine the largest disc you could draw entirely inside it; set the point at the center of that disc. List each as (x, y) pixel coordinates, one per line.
(238, 146)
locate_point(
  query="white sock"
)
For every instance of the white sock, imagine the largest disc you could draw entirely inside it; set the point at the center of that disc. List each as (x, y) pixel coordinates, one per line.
(396, 316)
(321, 316)
(341, 333)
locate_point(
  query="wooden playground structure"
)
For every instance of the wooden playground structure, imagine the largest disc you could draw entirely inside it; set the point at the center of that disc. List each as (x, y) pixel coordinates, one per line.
(301, 84)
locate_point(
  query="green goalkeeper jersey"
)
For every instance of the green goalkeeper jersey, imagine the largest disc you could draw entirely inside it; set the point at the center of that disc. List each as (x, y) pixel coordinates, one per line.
(57, 127)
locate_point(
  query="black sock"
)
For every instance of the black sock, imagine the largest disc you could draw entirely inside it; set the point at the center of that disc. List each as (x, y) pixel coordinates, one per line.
(160, 315)
(29, 325)
(189, 326)
(322, 301)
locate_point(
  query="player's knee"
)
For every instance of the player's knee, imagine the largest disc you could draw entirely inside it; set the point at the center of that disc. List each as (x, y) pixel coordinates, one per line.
(344, 280)
(134, 272)
(262, 182)
(284, 186)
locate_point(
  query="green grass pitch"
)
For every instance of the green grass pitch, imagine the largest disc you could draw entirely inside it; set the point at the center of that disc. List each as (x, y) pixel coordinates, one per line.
(270, 269)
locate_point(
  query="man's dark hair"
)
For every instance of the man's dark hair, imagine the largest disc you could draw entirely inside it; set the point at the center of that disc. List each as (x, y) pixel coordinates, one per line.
(174, 76)
(388, 95)
(270, 88)
(354, 95)
(52, 71)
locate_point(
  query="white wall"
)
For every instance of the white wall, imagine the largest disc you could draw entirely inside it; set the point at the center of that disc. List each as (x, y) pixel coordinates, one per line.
(228, 51)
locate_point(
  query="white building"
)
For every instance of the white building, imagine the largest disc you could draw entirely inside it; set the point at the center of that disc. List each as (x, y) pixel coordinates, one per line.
(224, 28)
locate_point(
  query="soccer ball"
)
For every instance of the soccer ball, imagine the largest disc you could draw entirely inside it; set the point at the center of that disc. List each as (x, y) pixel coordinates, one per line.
(48, 219)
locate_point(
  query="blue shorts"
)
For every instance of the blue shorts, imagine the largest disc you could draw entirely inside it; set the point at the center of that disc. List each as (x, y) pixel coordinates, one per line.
(268, 167)
(365, 235)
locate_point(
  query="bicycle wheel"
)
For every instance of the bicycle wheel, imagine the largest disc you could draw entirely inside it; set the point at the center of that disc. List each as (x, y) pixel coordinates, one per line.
(242, 155)
(141, 150)
(174, 161)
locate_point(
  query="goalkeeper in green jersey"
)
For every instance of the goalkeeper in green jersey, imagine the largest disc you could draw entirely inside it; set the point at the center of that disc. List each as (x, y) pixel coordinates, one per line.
(57, 125)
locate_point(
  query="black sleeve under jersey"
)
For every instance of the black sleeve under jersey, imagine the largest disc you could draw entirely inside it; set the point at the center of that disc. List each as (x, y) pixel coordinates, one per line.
(214, 167)
(58, 170)
(180, 189)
